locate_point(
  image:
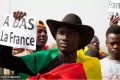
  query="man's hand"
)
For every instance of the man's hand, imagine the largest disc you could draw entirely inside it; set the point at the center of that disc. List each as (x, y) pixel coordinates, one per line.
(114, 20)
(18, 15)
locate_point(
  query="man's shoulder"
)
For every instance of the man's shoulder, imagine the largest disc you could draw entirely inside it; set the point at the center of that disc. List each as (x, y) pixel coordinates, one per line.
(104, 60)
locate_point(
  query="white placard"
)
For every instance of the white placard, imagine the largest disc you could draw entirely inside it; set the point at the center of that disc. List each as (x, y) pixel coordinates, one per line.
(19, 34)
(113, 8)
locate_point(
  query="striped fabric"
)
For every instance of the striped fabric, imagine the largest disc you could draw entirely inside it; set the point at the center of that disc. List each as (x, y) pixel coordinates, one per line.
(91, 66)
(85, 68)
(74, 71)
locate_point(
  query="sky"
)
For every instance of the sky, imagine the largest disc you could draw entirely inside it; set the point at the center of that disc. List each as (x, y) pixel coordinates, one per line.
(92, 12)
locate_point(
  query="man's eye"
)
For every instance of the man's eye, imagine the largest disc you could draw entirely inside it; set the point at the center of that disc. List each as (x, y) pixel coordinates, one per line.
(39, 31)
(112, 43)
(45, 31)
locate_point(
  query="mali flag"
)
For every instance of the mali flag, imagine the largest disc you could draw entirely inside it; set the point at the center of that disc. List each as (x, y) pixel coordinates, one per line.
(85, 68)
(91, 66)
(67, 71)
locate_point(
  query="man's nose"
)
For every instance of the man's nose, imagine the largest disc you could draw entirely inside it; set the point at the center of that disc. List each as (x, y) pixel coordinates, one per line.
(66, 37)
(95, 44)
(116, 46)
(43, 33)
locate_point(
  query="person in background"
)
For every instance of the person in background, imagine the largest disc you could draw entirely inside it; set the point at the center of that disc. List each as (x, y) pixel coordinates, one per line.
(94, 45)
(93, 53)
(42, 36)
(110, 66)
(70, 35)
(41, 40)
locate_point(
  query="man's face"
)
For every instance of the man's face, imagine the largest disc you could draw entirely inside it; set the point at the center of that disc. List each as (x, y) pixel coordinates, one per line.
(67, 39)
(94, 43)
(41, 36)
(113, 45)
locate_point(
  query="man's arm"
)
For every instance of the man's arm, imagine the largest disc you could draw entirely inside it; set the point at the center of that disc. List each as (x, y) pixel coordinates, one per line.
(11, 62)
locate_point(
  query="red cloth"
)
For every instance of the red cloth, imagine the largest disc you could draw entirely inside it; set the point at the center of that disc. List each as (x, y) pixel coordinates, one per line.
(65, 71)
(34, 77)
(45, 47)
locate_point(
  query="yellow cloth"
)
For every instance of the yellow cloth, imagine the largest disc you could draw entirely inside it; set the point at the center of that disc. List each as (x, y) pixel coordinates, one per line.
(91, 66)
(100, 51)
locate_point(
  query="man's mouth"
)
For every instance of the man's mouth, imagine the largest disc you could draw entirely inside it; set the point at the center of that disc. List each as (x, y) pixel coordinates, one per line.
(64, 44)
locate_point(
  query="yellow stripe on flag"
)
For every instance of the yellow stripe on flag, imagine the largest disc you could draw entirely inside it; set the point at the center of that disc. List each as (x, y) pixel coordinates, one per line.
(91, 66)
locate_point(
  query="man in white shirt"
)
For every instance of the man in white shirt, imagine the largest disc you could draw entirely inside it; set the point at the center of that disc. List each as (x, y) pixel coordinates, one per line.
(110, 66)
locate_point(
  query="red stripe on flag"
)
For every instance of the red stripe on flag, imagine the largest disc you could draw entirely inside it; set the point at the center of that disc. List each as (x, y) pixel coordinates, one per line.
(66, 71)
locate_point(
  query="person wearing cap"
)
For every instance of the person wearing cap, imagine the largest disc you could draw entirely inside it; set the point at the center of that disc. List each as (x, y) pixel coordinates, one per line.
(42, 38)
(70, 35)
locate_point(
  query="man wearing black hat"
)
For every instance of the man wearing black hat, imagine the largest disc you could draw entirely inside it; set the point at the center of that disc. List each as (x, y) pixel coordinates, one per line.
(70, 35)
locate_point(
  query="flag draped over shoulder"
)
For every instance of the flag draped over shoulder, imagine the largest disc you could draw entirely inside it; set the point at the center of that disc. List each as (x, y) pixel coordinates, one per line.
(85, 68)
(66, 71)
(91, 66)
(38, 60)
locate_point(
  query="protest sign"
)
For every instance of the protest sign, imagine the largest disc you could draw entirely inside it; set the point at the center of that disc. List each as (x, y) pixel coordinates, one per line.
(113, 8)
(19, 34)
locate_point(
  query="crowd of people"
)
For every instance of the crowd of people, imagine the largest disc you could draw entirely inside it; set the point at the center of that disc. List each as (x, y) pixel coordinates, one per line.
(78, 54)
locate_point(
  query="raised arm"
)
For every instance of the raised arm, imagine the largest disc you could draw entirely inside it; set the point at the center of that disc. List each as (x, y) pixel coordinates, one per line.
(9, 61)
(114, 20)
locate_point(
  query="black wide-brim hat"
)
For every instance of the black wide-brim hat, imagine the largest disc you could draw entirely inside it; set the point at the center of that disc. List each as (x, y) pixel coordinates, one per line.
(74, 21)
